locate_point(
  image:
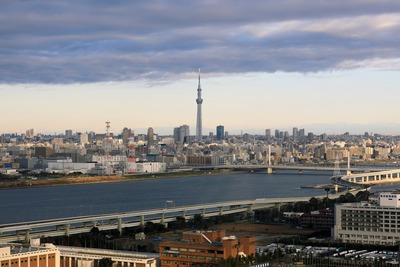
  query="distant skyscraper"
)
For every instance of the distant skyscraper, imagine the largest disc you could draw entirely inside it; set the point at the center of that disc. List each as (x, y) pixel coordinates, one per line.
(184, 134)
(68, 134)
(276, 133)
(295, 133)
(84, 138)
(199, 124)
(177, 132)
(302, 133)
(125, 135)
(267, 133)
(150, 137)
(220, 132)
(30, 133)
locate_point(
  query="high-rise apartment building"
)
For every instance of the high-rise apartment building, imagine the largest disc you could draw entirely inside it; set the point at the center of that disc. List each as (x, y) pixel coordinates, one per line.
(220, 132)
(199, 123)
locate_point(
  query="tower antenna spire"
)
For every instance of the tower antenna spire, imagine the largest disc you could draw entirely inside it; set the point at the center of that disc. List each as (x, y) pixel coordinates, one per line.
(199, 80)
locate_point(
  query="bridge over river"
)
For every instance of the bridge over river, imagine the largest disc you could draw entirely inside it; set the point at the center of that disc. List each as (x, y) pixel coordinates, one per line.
(271, 168)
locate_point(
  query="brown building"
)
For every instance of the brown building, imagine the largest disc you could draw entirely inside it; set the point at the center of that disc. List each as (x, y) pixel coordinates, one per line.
(197, 248)
(322, 219)
(18, 255)
(43, 151)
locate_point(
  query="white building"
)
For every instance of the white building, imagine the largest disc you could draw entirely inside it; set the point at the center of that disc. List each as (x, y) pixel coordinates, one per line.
(67, 166)
(146, 167)
(368, 223)
(90, 257)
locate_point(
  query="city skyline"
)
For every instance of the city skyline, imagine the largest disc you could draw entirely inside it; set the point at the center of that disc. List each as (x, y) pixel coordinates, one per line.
(328, 67)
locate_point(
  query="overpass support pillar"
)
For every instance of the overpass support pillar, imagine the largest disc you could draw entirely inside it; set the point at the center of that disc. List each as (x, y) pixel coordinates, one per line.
(270, 170)
(27, 236)
(336, 188)
(183, 214)
(67, 226)
(203, 213)
(119, 220)
(162, 220)
(348, 172)
(142, 221)
(221, 211)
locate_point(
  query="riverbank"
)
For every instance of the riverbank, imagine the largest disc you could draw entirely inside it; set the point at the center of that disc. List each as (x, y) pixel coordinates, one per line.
(66, 180)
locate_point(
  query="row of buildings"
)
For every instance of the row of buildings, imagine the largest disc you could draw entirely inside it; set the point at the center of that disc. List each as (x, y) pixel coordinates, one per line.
(129, 153)
(194, 248)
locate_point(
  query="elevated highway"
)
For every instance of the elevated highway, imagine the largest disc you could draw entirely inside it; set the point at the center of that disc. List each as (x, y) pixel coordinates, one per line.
(66, 226)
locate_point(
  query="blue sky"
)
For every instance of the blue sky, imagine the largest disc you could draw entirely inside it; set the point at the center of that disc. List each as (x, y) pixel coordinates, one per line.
(326, 66)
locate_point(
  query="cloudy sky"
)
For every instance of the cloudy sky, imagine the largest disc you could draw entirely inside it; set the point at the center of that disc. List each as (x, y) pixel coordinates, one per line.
(326, 66)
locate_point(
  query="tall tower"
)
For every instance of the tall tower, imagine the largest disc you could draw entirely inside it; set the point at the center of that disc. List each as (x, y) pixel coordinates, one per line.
(199, 125)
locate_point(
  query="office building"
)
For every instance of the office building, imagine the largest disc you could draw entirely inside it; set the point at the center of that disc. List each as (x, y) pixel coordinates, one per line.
(369, 223)
(268, 133)
(204, 248)
(220, 132)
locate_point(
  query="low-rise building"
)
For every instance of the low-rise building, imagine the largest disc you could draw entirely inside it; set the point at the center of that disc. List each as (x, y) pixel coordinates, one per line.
(321, 219)
(90, 257)
(34, 255)
(198, 248)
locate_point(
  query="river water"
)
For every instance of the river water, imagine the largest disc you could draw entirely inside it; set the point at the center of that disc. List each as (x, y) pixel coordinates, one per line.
(40, 203)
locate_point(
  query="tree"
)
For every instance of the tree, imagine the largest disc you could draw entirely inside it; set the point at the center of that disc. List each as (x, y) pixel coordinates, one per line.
(106, 262)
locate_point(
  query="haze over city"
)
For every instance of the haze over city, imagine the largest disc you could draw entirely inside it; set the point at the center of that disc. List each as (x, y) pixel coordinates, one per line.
(327, 66)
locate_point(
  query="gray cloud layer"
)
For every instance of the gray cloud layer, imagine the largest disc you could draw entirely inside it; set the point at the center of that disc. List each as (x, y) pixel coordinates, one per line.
(79, 41)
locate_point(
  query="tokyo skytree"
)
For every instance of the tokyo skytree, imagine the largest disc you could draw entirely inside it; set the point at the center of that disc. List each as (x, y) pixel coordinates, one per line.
(199, 125)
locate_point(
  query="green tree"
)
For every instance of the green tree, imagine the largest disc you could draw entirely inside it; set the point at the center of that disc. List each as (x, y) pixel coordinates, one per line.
(106, 262)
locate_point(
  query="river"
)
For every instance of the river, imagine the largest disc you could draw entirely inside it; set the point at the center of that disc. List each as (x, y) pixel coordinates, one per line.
(40, 203)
